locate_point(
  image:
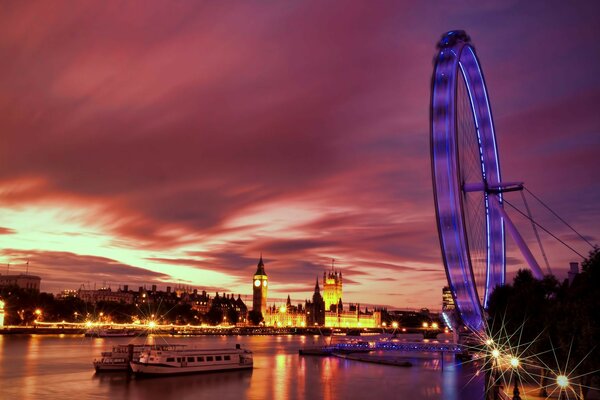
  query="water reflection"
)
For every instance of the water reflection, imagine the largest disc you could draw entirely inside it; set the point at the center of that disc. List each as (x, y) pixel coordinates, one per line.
(45, 367)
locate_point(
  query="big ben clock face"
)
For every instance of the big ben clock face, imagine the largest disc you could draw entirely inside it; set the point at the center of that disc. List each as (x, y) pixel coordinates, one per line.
(257, 282)
(265, 283)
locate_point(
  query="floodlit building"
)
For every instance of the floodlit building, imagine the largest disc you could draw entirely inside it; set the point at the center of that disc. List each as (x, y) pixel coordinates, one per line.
(324, 310)
(286, 315)
(332, 288)
(1, 313)
(447, 299)
(259, 288)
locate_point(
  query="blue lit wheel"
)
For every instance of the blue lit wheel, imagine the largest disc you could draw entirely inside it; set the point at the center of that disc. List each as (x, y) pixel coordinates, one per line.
(465, 171)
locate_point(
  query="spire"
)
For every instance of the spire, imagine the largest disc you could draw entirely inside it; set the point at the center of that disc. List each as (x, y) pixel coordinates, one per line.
(260, 268)
(317, 290)
(289, 301)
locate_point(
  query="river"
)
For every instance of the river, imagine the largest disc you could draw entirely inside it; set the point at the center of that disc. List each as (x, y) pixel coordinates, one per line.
(60, 367)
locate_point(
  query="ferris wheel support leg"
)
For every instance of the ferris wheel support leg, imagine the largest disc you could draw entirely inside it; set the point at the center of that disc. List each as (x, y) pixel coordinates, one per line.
(512, 229)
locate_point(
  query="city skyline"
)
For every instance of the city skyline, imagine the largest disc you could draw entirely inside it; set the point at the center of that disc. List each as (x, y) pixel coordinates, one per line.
(138, 148)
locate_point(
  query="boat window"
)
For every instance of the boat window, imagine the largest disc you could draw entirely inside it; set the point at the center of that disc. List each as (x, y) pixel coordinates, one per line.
(218, 358)
(200, 359)
(170, 359)
(179, 359)
(209, 358)
(227, 358)
(190, 359)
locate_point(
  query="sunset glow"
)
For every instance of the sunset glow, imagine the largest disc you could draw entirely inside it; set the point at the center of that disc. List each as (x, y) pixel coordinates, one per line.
(174, 151)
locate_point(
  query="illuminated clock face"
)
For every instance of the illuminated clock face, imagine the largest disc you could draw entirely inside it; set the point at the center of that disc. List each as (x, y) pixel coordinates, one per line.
(257, 283)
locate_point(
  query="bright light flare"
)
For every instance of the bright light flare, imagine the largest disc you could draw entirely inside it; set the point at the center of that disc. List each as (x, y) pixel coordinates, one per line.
(151, 324)
(495, 353)
(562, 381)
(489, 342)
(514, 362)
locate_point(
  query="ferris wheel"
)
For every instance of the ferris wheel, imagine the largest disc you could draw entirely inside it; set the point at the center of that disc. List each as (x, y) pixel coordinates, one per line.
(467, 183)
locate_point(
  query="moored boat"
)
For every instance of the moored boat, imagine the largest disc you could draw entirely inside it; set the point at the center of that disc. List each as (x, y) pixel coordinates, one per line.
(119, 358)
(110, 332)
(189, 361)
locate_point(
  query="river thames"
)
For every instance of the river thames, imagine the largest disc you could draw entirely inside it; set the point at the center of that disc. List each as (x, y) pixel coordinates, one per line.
(60, 367)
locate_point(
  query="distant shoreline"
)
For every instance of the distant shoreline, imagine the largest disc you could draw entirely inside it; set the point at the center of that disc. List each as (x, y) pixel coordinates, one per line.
(234, 331)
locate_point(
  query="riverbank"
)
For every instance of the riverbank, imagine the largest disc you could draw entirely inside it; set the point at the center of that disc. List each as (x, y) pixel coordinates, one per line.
(201, 331)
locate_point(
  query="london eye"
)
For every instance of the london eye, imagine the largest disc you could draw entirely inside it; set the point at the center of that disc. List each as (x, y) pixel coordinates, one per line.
(468, 188)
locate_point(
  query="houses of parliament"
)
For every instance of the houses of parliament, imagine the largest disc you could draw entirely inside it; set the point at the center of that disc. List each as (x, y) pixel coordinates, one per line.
(326, 309)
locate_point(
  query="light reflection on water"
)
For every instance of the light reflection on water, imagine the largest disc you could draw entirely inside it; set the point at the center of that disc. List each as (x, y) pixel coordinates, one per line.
(48, 367)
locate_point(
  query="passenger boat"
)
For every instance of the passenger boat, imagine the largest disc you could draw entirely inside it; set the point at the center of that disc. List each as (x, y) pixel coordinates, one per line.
(188, 361)
(119, 358)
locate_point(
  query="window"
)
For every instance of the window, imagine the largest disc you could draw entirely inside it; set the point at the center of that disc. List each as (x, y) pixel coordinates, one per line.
(190, 359)
(218, 358)
(200, 359)
(170, 359)
(209, 358)
(179, 359)
(227, 358)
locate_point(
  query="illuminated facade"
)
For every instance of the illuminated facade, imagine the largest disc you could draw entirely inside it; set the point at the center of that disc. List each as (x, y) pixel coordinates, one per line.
(319, 312)
(332, 288)
(353, 318)
(259, 289)
(447, 300)
(287, 315)
(1, 313)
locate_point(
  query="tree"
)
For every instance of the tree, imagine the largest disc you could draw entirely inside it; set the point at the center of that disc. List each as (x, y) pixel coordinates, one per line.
(563, 317)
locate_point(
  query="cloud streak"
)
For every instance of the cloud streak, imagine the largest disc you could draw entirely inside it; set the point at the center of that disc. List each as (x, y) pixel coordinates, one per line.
(193, 137)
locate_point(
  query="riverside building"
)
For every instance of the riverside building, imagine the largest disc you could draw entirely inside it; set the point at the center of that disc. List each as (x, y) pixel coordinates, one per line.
(326, 309)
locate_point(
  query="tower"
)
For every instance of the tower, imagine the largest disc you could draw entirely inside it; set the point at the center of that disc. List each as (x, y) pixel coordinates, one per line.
(332, 288)
(317, 315)
(259, 288)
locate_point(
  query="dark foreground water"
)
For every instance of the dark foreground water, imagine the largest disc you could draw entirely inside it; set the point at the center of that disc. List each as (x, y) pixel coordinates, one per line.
(60, 367)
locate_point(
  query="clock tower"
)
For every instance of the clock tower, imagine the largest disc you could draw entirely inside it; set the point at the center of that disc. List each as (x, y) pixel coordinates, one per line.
(259, 288)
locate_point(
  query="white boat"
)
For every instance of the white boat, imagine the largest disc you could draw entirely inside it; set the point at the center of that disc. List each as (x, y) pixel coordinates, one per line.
(119, 358)
(191, 361)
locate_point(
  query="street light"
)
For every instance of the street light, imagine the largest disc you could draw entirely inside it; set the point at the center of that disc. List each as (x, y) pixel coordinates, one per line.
(514, 362)
(562, 381)
(394, 325)
(495, 353)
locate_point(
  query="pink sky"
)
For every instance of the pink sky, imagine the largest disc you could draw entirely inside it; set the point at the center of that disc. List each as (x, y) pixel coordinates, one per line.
(161, 142)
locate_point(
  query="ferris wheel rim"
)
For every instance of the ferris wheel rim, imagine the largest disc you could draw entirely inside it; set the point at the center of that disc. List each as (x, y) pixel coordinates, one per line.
(446, 175)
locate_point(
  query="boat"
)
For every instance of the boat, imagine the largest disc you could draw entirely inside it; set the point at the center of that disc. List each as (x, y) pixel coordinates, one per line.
(191, 361)
(110, 332)
(118, 359)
